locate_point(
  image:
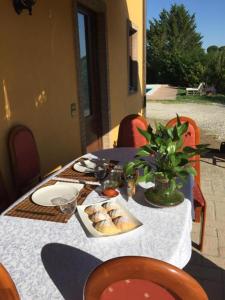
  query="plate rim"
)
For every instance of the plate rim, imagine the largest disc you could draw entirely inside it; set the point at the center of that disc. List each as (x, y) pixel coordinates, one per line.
(49, 187)
(85, 171)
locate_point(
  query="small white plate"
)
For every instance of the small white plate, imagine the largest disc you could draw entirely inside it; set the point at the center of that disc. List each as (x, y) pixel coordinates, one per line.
(45, 196)
(85, 166)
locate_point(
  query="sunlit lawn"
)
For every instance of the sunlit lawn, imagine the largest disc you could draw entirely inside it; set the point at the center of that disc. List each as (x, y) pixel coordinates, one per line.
(182, 97)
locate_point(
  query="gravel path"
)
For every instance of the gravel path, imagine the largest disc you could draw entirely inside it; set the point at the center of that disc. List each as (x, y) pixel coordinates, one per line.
(209, 117)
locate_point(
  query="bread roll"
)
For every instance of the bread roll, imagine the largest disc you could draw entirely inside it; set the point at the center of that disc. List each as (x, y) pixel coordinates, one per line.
(109, 206)
(106, 227)
(123, 223)
(98, 216)
(90, 210)
(114, 213)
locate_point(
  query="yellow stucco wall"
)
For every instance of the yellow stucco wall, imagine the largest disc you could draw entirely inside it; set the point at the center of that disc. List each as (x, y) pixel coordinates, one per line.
(38, 79)
(123, 103)
(37, 66)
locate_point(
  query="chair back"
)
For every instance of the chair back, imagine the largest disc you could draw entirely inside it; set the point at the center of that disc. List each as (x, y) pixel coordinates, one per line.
(4, 196)
(201, 85)
(8, 289)
(24, 157)
(190, 138)
(128, 134)
(151, 277)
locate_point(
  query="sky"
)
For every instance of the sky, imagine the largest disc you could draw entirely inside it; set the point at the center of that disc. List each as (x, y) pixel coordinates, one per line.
(209, 16)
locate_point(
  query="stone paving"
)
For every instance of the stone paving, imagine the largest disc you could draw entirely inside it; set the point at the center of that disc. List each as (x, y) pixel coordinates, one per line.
(208, 267)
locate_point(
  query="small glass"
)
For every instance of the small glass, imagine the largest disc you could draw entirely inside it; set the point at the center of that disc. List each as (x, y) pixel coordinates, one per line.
(100, 170)
(109, 184)
(131, 181)
(66, 203)
(116, 175)
(131, 187)
(109, 188)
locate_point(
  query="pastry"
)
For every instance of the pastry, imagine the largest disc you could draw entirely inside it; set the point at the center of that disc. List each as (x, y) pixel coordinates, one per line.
(90, 210)
(114, 213)
(109, 206)
(98, 216)
(106, 226)
(123, 223)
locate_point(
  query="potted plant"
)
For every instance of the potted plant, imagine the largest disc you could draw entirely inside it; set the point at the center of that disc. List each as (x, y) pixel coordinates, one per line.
(170, 166)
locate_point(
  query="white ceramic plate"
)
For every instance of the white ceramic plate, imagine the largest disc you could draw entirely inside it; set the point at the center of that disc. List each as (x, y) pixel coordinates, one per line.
(85, 166)
(45, 196)
(89, 224)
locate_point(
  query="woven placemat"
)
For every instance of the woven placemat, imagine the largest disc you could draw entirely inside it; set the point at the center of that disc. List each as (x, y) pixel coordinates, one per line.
(28, 209)
(70, 173)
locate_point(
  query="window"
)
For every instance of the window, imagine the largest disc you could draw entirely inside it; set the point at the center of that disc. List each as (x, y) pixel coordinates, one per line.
(132, 58)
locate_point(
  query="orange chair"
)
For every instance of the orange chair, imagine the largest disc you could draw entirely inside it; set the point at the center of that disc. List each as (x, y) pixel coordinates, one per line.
(24, 157)
(128, 134)
(8, 289)
(192, 138)
(136, 277)
(4, 197)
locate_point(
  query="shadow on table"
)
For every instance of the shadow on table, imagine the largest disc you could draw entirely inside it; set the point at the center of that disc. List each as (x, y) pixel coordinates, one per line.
(68, 267)
(211, 276)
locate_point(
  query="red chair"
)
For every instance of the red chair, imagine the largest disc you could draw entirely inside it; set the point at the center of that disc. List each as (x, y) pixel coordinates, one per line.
(24, 157)
(136, 277)
(8, 289)
(4, 197)
(128, 134)
(192, 138)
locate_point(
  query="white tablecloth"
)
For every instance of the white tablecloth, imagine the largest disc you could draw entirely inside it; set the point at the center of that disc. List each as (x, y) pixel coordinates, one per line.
(50, 260)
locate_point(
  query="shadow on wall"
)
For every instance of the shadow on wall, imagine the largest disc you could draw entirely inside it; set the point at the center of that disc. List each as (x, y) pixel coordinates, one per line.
(70, 272)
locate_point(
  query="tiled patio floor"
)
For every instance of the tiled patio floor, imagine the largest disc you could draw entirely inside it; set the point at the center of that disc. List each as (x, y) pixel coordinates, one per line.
(209, 267)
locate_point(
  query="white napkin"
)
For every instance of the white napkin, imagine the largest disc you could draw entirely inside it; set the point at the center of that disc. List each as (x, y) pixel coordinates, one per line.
(78, 186)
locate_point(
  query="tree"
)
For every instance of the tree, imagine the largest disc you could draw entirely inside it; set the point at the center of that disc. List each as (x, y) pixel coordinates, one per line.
(174, 52)
(212, 48)
(215, 68)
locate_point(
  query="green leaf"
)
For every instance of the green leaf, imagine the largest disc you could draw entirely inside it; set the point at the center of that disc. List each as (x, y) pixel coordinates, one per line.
(147, 170)
(149, 177)
(170, 132)
(129, 168)
(142, 152)
(179, 143)
(178, 119)
(181, 129)
(191, 171)
(189, 149)
(171, 148)
(145, 134)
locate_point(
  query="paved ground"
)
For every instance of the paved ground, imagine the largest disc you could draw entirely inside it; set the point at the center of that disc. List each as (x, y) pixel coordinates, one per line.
(165, 92)
(209, 117)
(207, 267)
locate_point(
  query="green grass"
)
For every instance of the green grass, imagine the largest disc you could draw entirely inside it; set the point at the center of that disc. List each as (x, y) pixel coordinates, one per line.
(181, 97)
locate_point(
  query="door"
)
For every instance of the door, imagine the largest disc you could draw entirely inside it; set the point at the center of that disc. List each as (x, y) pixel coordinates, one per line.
(88, 78)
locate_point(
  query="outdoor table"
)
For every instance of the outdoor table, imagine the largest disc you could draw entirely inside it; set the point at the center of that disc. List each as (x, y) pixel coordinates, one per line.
(49, 260)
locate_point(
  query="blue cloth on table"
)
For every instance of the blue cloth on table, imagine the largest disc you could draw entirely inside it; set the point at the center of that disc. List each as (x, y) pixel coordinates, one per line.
(187, 190)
